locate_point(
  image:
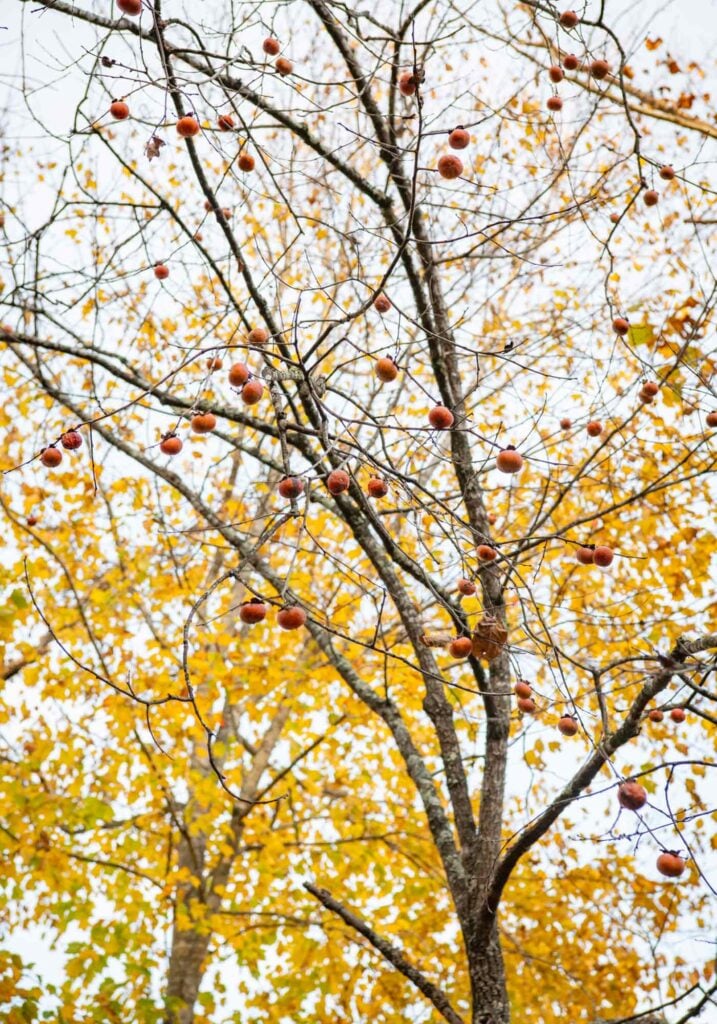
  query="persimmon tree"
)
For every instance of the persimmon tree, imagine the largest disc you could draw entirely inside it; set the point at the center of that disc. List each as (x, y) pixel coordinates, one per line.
(358, 642)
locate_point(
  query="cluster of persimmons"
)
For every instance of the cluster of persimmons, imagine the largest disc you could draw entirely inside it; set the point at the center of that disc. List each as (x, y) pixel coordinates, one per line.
(250, 388)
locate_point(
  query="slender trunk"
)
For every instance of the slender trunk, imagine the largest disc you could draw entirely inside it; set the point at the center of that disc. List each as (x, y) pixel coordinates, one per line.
(192, 935)
(191, 940)
(186, 970)
(199, 899)
(189, 943)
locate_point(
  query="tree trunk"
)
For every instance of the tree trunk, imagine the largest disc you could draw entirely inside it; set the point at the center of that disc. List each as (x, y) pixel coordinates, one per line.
(488, 988)
(189, 943)
(186, 970)
(191, 938)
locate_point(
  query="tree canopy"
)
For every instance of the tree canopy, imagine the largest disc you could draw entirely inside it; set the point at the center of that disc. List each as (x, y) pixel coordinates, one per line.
(358, 629)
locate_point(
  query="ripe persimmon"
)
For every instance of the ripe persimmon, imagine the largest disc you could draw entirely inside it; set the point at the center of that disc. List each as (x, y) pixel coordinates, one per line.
(203, 422)
(509, 460)
(566, 423)
(621, 326)
(170, 444)
(377, 487)
(252, 611)
(449, 166)
(677, 714)
(338, 481)
(486, 553)
(461, 647)
(246, 162)
(585, 555)
(291, 617)
(651, 388)
(71, 440)
(382, 303)
(671, 864)
(291, 487)
(556, 73)
(440, 418)
(188, 126)
(407, 83)
(631, 795)
(257, 336)
(711, 419)
(225, 122)
(656, 715)
(385, 369)
(568, 726)
(523, 689)
(554, 104)
(459, 138)
(651, 197)
(667, 173)
(527, 705)
(271, 46)
(51, 457)
(252, 391)
(161, 272)
(602, 556)
(130, 7)
(466, 587)
(214, 363)
(283, 65)
(238, 374)
(119, 110)
(571, 62)
(594, 428)
(599, 68)
(569, 19)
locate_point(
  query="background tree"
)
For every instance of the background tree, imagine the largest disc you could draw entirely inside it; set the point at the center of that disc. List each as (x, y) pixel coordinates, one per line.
(424, 292)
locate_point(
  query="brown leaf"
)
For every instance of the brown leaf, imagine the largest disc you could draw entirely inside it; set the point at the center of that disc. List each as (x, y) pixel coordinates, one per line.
(153, 147)
(489, 638)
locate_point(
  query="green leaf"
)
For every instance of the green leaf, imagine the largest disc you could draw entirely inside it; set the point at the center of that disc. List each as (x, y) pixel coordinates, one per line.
(641, 334)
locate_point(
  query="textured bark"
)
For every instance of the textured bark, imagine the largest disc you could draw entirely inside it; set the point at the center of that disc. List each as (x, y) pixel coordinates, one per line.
(189, 947)
(488, 989)
(186, 970)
